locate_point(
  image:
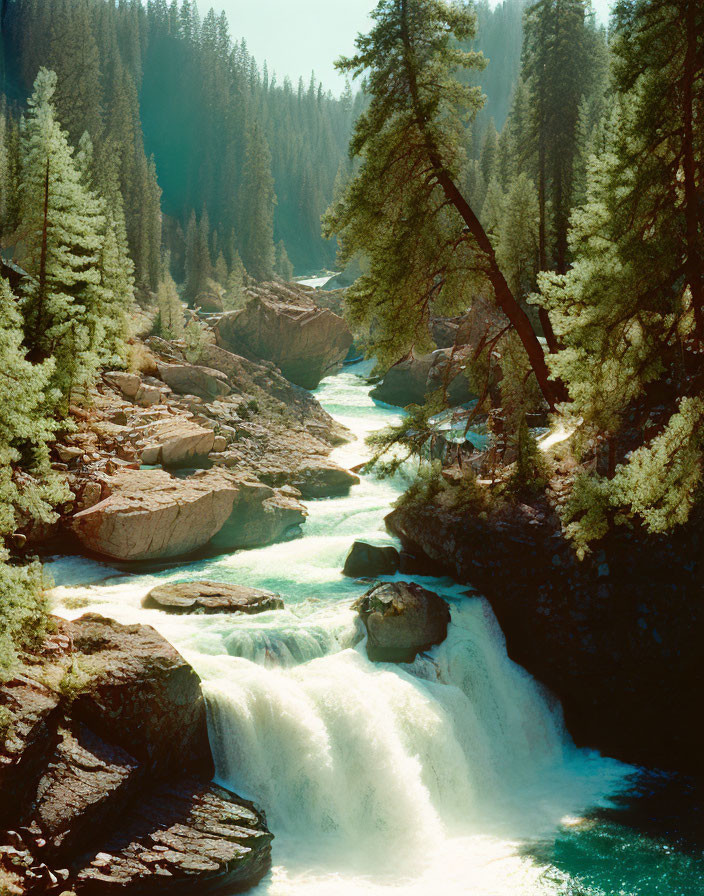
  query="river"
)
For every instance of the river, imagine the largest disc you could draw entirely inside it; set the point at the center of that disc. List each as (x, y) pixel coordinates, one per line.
(453, 775)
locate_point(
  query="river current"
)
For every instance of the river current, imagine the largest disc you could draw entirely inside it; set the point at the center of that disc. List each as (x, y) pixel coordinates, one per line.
(453, 775)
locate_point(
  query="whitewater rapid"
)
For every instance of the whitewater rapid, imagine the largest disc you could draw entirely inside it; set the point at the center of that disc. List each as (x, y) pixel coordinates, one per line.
(428, 778)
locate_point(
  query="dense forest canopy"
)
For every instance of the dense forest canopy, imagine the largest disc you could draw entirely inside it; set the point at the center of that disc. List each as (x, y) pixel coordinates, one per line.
(169, 93)
(587, 208)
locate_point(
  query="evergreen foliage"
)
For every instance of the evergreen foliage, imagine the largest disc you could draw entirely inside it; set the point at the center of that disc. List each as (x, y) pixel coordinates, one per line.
(165, 94)
(629, 311)
(171, 314)
(256, 207)
(282, 264)
(428, 253)
(64, 229)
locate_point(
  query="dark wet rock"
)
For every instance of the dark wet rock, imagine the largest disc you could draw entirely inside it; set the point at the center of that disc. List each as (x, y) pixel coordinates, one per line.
(211, 597)
(187, 837)
(85, 788)
(371, 560)
(416, 377)
(406, 382)
(617, 637)
(32, 712)
(137, 691)
(116, 791)
(402, 620)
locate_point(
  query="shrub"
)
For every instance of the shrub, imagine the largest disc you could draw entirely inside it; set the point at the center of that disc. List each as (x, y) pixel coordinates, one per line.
(24, 612)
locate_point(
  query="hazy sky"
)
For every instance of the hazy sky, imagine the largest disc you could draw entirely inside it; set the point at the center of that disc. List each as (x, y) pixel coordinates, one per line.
(298, 36)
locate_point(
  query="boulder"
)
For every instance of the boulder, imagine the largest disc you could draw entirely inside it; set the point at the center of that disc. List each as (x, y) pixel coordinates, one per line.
(406, 382)
(402, 620)
(210, 300)
(119, 797)
(417, 376)
(186, 837)
(192, 379)
(284, 325)
(127, 383)
(182, 442)
(315, 476)
(149, 515)
(33, 712)
(211, 597)
(260, 515)
(371, 560)
(149, 395)
(137, 692)
(85, 787)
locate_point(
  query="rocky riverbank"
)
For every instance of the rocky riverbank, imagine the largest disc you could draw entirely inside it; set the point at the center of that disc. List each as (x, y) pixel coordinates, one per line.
(203, 449)
(616, 637)
(105, 765)
(105, 773)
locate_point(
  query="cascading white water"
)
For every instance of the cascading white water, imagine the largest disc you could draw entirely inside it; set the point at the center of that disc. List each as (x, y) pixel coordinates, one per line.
(417, 779)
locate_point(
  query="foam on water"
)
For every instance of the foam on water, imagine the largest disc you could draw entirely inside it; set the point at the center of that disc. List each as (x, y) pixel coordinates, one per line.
(419, 779)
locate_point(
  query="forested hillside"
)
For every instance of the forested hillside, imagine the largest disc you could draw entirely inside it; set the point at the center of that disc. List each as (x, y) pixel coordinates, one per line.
(174, 107)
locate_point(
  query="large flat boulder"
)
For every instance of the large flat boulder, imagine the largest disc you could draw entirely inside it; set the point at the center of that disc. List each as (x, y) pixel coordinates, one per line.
(284, 325)
(315, 476)
(186, 837)
(211, 597)
(193, 379)
(402, 620)
(150, 515)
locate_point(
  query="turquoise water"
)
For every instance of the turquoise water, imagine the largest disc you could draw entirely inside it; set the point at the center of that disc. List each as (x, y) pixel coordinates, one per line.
(453, 775)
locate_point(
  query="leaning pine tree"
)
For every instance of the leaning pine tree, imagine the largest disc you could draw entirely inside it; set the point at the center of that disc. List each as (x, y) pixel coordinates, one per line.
(405, 210)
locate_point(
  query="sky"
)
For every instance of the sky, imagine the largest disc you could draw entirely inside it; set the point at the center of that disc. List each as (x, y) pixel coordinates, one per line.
(296, 37)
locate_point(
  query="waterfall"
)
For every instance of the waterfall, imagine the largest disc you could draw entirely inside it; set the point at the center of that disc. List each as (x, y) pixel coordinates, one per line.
(376, 779)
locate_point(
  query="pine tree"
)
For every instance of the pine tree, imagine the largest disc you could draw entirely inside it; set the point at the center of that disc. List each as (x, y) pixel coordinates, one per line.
(63, 223)
(283, 265)
(557, 70)
(427, 250)
(629, 311)
(257, 201)
(517, 231)
(27, 425)
(220, 272)
(198, 264)
(235, 295)
(170, 307)
(493, 208)
(76, 61)
(489, 159)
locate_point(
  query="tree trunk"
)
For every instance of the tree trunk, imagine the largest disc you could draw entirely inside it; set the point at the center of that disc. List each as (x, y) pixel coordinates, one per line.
(553, 392)
(41, 288)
